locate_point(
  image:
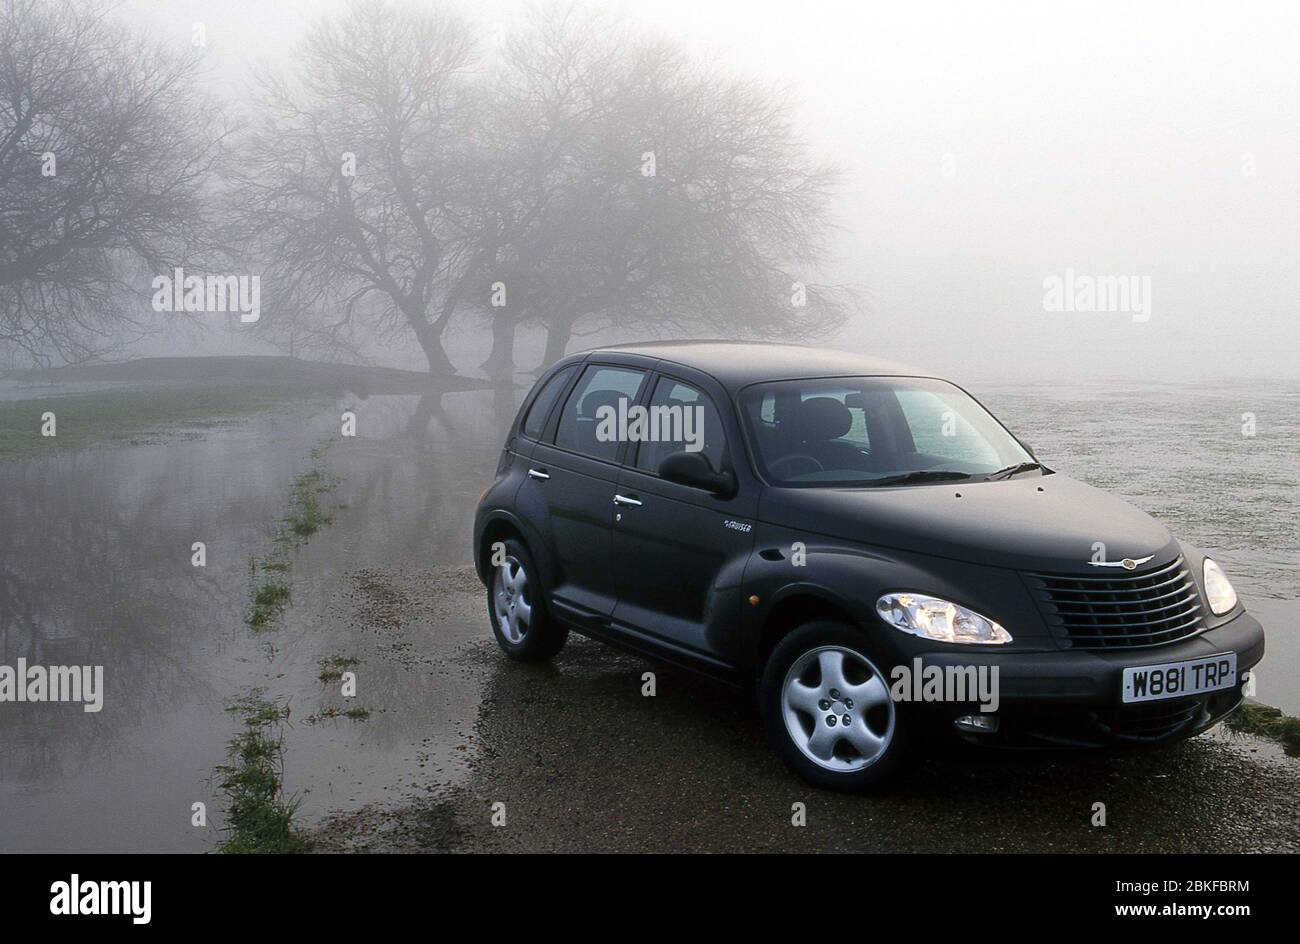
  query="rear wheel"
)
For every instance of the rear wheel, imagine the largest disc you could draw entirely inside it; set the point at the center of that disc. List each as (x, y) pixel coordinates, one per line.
(522, 626)
(826, 706)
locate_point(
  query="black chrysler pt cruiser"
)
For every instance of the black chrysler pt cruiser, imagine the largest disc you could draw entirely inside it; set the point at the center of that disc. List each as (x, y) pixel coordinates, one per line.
(865, 545)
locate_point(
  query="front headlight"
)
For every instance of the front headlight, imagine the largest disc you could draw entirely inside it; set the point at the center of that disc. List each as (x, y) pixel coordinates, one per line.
(941, 620)
(1218, 591)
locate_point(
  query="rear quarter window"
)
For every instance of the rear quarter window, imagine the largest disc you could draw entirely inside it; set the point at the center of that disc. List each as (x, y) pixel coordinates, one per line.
(535, 422)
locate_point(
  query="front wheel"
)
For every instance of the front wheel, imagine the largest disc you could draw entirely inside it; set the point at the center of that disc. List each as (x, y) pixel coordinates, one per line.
(826, 706)
(522, 626)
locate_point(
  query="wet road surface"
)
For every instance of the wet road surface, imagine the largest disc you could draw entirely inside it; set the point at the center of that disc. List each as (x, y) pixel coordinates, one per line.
(582, 761)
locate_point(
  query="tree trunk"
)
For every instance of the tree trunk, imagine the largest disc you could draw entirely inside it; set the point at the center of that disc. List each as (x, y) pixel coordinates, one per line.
(501, 362)
(558, 334)
(429, 407)
(431, 343)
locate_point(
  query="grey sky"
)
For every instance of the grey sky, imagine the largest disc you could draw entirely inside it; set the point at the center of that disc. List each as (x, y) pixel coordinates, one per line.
(1114, 139)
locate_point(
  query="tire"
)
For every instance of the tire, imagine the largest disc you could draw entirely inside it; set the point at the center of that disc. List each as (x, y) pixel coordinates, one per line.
(516, 606)
(812, 676)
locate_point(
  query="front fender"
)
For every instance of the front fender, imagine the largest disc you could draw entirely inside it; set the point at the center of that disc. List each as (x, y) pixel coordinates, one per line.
(851, 577)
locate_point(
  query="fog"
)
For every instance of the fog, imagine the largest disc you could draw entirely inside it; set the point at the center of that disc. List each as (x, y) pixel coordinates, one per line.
(987, 148)
(1085, 213)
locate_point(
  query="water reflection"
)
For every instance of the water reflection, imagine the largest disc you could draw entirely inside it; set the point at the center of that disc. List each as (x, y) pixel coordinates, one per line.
(95, 569)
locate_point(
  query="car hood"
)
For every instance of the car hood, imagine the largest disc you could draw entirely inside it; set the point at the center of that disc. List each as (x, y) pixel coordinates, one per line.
(1049, 522)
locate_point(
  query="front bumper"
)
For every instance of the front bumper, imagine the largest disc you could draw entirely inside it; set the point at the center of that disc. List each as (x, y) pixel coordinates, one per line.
(1072, 698)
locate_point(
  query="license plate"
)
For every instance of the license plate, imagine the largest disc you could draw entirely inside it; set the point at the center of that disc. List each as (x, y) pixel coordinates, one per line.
(1176, 679)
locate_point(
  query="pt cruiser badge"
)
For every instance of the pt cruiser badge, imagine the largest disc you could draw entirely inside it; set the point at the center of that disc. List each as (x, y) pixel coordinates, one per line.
(1127, 563)
(893, 522)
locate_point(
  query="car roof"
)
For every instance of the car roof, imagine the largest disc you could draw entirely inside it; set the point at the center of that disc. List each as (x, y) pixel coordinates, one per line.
(737, 364)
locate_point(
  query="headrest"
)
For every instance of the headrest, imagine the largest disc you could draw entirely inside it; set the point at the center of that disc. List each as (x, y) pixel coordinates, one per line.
(598, 398)
(821, 418)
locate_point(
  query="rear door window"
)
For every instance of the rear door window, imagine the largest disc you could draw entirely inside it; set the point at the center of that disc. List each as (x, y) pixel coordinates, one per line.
(581, 428)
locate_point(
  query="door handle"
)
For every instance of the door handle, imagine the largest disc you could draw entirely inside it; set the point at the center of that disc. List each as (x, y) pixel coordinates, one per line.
(624, 500)
(537, 474)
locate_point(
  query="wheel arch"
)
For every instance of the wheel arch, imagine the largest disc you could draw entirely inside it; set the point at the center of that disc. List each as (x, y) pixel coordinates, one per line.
(792, 608)
(501, 526)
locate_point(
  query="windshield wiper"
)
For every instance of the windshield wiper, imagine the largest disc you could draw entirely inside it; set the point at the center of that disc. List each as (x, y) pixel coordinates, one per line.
(925, 475)
(1013, 469)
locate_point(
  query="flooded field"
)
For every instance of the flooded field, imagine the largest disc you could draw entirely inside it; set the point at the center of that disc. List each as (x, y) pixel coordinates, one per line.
(96, 568)
(96, 551)
(1219, 465)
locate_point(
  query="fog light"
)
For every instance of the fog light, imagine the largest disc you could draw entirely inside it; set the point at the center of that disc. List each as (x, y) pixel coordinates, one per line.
(977, 724)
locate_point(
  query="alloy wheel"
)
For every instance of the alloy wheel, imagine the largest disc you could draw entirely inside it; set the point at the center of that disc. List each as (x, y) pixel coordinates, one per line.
(512, 601)
(837, 708)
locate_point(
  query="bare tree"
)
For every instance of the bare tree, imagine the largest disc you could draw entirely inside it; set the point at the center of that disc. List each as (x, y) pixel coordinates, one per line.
(350, 184)
(653, 192)
(585, 177)
(106, 146)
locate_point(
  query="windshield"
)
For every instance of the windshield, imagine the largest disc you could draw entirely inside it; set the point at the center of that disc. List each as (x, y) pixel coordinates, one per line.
(854, 431)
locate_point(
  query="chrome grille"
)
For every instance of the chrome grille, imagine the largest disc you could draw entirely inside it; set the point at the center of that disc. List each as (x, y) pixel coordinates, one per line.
(1120, 611)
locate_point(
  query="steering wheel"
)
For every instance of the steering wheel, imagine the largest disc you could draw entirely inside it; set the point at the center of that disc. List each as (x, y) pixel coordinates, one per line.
(795, 458)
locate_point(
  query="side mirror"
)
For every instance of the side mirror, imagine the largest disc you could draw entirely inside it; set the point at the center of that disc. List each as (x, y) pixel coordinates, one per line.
(693, 469)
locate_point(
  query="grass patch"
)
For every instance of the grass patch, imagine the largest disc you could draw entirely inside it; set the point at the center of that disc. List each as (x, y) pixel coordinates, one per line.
(272, 565)
(259, 817)
(269, 574)
(306, 515)
(1265, 721)
(333, 667)
(125, 415)
(334, 713)
(269, 601)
